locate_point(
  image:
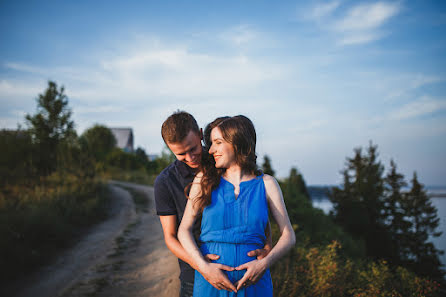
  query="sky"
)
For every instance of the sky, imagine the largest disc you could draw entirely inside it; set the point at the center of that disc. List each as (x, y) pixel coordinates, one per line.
(317, 78)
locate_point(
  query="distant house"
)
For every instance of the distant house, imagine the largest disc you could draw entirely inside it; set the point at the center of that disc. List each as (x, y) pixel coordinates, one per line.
(124, 138)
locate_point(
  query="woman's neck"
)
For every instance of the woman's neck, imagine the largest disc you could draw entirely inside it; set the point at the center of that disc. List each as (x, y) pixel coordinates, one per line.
(236, 175)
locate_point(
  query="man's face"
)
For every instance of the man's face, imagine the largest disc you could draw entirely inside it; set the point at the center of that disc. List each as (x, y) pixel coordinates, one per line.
(189, 150)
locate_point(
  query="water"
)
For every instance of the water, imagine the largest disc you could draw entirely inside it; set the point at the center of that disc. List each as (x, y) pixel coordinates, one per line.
(439, 202)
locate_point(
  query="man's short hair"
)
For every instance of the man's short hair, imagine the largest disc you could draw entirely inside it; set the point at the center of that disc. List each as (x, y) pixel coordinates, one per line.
(177, 126)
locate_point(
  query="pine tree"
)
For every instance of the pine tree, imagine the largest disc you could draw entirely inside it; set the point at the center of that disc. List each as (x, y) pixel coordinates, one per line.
(358, 205)
(295, 195)
(423, 257)
(50, 126)
(266, 166)
(397, 224)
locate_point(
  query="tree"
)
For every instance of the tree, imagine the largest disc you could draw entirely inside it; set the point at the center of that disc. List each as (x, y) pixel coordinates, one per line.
(394, 225)
(423, 257)
(157, 165)
(295, 195)
(358, 206)
(50, 126)
(99, 141)
(266, 166)
(396, 221)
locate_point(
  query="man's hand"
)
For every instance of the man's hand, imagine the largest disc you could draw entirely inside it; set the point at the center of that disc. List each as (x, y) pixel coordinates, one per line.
(254, 271)
(260, 253)
(213, 273)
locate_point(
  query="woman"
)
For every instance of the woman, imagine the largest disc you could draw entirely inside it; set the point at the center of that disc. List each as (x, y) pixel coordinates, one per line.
(233, 197)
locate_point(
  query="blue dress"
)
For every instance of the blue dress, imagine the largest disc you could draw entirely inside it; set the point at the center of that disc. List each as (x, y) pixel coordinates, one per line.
(231, 228)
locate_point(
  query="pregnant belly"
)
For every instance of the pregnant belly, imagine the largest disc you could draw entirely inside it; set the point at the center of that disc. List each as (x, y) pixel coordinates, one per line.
(231, 255)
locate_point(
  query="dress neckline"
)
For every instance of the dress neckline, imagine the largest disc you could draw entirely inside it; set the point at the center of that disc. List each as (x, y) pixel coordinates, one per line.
(242, 182)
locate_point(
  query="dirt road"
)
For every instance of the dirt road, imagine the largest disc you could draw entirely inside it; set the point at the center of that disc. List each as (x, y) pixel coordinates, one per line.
(123, 256)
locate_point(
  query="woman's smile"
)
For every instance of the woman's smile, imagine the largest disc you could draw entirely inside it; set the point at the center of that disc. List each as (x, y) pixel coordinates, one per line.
(221, 150)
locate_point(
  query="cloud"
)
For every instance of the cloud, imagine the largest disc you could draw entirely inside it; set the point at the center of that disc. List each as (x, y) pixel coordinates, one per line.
(364, 17)
(363, 22)
(153, 71)
(239, 35)
(359, 24)
(402, 86)
(13, 90)
(321, 10)
(359, 38)
(423, 106)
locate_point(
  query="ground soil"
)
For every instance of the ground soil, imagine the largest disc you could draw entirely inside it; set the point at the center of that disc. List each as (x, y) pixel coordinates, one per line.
(122, 256)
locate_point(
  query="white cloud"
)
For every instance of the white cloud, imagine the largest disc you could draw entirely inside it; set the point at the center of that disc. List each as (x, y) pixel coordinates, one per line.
(321, 10)
(359, 38)
(360, 24)
(101, 109)
(18, 89)
(403, 86)
(423, 106)
(148, 72)
(240, 35)
(364, 17)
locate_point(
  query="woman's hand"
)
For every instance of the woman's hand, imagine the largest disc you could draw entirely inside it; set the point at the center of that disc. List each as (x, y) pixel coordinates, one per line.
(213, 273)
(254, 271)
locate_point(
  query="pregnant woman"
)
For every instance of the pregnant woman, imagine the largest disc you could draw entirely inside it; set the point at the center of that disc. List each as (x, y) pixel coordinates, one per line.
(234, 198)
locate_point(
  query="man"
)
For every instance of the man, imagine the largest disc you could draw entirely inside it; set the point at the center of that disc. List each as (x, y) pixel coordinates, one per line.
(182, 135)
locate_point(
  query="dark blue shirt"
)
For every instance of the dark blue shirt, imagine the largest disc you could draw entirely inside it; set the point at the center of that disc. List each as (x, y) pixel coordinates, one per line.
(171, 200)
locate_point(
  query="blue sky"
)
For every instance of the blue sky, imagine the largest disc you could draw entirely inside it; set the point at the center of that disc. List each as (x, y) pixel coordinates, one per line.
(317, 78)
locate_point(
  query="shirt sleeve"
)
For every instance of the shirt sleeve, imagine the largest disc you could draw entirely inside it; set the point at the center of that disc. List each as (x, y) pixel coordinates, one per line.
(164, 203)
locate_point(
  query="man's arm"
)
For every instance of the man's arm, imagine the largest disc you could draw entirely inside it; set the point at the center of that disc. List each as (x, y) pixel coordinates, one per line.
(169, 224)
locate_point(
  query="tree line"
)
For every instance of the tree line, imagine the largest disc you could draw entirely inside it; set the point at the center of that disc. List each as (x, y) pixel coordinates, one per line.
(395, 223)
(375, 242)
(53, 181)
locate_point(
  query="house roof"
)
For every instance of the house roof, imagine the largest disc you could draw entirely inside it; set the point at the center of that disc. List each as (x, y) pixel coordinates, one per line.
(123, 136)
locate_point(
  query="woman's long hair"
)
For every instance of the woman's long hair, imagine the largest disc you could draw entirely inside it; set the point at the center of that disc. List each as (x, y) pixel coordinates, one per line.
(239, 131)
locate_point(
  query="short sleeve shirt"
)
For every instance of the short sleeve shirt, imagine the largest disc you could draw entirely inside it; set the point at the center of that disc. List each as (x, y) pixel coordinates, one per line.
(171, 200)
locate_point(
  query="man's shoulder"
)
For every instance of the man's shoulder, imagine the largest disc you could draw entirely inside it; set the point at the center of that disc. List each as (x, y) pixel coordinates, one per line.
(166, 174)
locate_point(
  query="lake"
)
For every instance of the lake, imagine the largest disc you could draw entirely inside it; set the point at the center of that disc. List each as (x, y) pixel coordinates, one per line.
(439, 202)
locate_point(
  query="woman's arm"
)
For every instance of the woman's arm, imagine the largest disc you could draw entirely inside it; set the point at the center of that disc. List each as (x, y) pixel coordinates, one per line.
(212, 272)
(256, 268)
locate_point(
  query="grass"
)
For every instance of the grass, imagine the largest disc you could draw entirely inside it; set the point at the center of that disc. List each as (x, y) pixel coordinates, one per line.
(139, 198)
(40, 219)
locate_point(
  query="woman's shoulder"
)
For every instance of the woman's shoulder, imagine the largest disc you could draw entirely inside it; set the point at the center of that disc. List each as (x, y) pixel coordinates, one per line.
(269, 180)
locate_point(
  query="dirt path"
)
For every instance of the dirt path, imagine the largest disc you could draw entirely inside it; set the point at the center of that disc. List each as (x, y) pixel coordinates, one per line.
(123, 256)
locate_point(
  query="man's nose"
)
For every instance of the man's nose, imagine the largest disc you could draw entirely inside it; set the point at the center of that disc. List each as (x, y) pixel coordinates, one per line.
(189, 157)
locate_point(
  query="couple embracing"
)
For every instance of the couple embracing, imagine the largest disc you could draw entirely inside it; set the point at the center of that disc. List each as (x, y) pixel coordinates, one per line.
(213, 203)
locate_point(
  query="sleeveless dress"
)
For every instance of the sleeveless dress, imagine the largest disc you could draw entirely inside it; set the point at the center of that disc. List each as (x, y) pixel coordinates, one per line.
(231, 228)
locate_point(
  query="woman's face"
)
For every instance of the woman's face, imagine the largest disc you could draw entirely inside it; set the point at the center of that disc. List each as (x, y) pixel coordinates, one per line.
(222, 150)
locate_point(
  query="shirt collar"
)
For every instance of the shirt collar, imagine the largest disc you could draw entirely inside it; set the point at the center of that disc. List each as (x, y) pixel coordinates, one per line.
(184, 170)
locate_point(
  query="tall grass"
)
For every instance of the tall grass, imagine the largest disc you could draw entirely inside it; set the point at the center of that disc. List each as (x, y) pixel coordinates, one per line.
(323, 272)
(39, 218)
